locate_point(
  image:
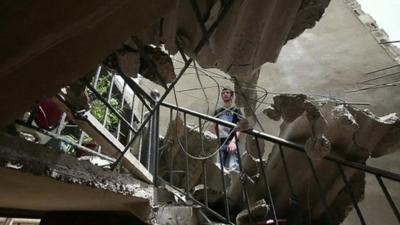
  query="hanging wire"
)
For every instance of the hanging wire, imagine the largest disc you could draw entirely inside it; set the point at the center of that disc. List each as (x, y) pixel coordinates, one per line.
(386, 68)
(180, 144)
(394, 84)
(201, 86)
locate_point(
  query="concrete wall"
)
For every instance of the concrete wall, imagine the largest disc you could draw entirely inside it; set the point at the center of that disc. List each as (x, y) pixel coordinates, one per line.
(330, 59)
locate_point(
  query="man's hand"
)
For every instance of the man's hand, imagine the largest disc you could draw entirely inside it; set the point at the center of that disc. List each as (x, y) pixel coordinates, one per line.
(232, 147)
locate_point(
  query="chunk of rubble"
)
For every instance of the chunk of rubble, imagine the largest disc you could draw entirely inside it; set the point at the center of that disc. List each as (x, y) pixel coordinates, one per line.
(325, 127)
(153, 64)
(272, 113)
(258, 213)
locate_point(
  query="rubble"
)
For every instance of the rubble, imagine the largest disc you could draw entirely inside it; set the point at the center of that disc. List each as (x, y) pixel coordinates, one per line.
(129, 61)
(325, 127)
(38, 160)
(31, 172)
(258, 213)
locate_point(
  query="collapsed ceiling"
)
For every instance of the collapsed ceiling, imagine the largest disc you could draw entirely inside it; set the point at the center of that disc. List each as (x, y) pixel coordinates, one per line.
(56, 43)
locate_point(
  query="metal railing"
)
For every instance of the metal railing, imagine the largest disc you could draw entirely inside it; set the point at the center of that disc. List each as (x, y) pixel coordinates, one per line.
(280, 143)
(104, 128)
(131, 128)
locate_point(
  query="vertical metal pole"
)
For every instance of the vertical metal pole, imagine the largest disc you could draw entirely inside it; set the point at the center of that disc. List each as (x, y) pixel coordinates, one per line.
(60, 127)
(350, 192)
(106, 108)
(186, 156)
(81, 137)
(153, 137)
(171, 161)
(265, 178)
(320, 190)
(133, 114)
(96, 77)
(150, 144)
(283, 157)
(157, 144)
(141, 135)
(121, 108)
(221, 162)
(242, 177)
(204, 165)
(108, 100)
(388, 197)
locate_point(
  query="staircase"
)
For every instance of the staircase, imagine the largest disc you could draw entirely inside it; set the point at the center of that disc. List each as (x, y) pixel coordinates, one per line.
(190, 185)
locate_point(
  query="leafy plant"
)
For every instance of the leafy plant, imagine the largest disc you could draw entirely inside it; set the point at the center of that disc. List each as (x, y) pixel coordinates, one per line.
(98, 109)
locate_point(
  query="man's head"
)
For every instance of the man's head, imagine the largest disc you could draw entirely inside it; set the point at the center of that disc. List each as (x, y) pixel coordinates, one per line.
(227, 94)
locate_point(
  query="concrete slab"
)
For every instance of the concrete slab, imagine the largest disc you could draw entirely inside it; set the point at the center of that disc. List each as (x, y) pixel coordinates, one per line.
(36, 178)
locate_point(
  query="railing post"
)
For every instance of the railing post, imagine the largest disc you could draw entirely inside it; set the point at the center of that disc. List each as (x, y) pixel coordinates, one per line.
(388, 197)
(153, 138)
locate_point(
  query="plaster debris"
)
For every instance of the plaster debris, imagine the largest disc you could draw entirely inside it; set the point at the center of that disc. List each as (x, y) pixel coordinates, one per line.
(326, 127)
(272, 113)
(37, 159)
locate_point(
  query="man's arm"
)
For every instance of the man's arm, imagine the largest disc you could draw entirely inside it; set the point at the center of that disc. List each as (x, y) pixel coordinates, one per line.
(233, 144)
(216, 124)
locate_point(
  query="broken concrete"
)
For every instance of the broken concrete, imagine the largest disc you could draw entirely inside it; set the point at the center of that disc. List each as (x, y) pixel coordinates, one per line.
(32, 172)
(150, 62)
(240, 49)
(176, 215)
(320, 123)
(258, 213)
(324, 127)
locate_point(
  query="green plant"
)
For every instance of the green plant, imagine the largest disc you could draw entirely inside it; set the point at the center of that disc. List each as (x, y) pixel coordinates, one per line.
(98, 109)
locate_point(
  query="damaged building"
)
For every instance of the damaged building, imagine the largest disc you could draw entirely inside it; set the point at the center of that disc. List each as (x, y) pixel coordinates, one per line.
(107, 108)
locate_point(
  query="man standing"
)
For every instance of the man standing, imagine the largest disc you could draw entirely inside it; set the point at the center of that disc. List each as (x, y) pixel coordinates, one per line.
(229, 140)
